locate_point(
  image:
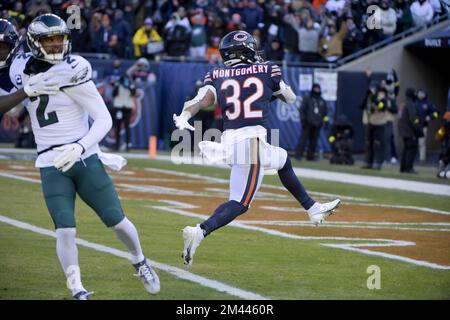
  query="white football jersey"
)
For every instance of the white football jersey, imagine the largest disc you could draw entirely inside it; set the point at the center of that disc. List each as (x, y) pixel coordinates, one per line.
(56, 119)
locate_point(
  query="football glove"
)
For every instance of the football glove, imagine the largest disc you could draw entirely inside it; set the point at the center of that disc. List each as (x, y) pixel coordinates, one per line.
(70, 153)
(181, 121)
(40, 84)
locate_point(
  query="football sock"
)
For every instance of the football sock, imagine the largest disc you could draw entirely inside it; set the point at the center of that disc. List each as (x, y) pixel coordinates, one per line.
(294, 186)
(67, 252)
(223, 215)
(127, 233)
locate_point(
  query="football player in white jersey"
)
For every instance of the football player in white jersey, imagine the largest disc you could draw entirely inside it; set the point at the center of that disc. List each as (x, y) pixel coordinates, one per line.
(69, 157)
(37, 85)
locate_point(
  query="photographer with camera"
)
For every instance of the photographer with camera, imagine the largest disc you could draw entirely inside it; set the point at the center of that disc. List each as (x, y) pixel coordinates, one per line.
(410, 129)
(375, 118)
(341, 141)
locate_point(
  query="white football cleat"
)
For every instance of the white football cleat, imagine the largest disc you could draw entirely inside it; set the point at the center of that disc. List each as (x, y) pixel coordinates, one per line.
(82, 295)
(192, 237)
(148, 276)
(320, 211)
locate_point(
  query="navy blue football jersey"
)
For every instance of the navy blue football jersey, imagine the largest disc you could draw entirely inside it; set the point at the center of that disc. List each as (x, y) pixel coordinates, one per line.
(244, 92)
(6, 86)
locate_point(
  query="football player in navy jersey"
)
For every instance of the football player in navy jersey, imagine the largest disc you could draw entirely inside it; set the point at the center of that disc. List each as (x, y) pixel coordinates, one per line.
(243, 89)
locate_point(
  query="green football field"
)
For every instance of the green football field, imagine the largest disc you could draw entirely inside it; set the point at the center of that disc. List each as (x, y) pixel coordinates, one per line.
(233, 263)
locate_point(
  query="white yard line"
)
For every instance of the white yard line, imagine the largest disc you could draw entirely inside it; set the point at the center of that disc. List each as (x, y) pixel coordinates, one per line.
(177, 272)
(226, 181)
(185, 210)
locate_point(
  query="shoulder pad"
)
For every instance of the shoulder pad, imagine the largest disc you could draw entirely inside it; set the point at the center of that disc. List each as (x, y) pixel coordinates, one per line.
(17, 67)
(73, 70)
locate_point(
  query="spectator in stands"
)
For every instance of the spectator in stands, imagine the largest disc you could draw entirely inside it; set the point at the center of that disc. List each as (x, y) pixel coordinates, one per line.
(124, 94)
(337, 6)
(81, 38)
(274, 52)
(410, 129)
(421, 12)
(403, 13)
(177, 37)
(215, 25)
(212, 53)
(318, 5)
(140, 73)
(179, 19)
(388, 19)
(102, 38)
(313, 114)
(331, 44)
(308, 38)
(147, 41)
(199, 38)
(427, 112)
(17, 16)
(235, 23)
(289, 37)
(37, 7)
(124, 33)
(437, 7)
(353, 40)
(252, 15)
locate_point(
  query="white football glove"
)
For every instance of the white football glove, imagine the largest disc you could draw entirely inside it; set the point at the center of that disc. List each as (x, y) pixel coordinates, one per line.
(70, 153)
(42, 83)
(181, 121)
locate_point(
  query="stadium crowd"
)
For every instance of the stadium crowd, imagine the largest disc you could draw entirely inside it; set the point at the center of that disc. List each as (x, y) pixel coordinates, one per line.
(290, 30)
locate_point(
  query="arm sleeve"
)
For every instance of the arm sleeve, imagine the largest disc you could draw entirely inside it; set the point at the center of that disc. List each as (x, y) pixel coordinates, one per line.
(275, 76)
(208, 80)
(87, 96)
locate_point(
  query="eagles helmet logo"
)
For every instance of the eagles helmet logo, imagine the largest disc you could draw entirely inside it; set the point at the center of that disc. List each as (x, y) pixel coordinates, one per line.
(80, 75)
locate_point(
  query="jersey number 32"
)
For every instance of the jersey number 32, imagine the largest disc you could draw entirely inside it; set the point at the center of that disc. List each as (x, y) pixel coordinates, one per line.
(235, 98)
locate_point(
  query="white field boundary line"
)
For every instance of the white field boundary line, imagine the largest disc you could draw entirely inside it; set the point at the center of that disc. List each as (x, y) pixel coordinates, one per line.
(226, 181)
(184, 209)
(339, 226)
(370, 181)
(287, 209)
(174, 271)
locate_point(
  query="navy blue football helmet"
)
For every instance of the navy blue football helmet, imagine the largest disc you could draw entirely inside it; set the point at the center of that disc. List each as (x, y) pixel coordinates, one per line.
(10, 36)
(239, 46)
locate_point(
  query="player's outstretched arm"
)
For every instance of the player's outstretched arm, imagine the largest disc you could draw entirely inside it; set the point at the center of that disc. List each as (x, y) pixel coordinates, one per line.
(204, 99)
(42, 83)
(9, 101)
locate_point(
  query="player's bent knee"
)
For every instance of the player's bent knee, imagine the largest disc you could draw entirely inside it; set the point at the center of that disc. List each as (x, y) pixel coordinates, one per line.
(112, 217)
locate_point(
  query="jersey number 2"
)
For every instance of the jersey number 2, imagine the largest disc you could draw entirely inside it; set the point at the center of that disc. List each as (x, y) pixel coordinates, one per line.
(40, 112)
(235, 98)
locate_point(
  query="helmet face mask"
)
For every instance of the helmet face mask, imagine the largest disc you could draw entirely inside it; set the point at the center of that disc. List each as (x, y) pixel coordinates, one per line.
(9, 38)
(48, 26)
(239, 46)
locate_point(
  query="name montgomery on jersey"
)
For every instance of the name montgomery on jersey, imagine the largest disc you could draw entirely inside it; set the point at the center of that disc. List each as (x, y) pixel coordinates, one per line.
(226, 73)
